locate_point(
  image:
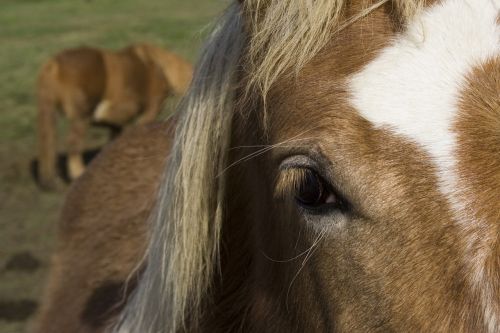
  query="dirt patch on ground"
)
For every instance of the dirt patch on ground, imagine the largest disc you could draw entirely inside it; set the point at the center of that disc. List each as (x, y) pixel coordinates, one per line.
(22, 262)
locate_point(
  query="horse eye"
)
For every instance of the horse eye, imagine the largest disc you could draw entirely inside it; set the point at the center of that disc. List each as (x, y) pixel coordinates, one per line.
(313, 192)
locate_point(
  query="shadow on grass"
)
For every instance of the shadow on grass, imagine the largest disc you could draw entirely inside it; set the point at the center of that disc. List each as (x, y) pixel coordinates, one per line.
(19, 310)
(22, 262)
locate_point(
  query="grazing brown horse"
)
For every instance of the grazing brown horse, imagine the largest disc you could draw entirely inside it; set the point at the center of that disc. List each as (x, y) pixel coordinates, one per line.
(335, 167)
(104, 87)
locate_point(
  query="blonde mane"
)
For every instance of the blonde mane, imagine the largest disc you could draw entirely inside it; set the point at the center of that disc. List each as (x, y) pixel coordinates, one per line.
(288, 34)
(185, 233)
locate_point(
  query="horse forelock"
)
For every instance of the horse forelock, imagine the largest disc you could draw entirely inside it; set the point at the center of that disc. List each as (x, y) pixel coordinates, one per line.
(183, 250)
(285, 35)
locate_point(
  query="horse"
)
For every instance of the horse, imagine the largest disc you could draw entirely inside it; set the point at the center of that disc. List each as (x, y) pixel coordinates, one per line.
(334, 167)
(103, 87)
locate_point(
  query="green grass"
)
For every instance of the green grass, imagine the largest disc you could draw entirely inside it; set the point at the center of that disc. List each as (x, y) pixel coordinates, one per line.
(30, 32)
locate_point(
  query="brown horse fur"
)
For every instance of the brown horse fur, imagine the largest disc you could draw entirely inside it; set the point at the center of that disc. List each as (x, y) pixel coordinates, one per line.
(104, 215)
(101, 86)
(394, 261)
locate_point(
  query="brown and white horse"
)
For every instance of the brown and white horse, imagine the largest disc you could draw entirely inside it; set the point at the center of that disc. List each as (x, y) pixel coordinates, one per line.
(335, 168)
(104, 87)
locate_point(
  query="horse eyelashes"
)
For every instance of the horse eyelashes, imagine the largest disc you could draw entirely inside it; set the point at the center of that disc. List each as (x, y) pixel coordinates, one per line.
(289, 181)
(306, 186)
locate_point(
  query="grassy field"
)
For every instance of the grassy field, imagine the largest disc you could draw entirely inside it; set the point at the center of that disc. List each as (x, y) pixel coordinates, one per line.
(30, 31)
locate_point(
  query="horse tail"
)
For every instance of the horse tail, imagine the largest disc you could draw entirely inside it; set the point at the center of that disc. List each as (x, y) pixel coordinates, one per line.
(47, 103)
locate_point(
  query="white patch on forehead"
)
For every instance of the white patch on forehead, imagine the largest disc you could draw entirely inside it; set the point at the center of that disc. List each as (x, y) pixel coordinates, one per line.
(413, 86)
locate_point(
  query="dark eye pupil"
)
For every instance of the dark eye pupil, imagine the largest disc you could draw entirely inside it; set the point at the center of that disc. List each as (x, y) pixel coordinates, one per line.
(311, 190)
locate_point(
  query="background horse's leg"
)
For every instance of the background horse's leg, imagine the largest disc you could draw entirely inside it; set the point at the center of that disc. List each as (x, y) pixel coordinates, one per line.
(158, 93)
(76, 140)
(47, 145)
(150, 114)
(46, 125)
